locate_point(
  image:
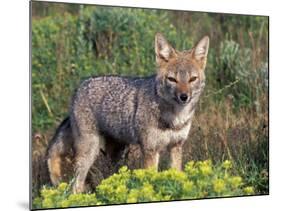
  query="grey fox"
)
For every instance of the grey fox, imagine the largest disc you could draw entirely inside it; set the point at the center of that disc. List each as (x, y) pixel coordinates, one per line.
(155, 112)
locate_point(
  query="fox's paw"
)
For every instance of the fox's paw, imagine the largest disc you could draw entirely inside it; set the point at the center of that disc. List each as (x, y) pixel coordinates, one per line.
(78, 187)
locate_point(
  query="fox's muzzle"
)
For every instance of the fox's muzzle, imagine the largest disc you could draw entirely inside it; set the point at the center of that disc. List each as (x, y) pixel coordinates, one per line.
(183, 98)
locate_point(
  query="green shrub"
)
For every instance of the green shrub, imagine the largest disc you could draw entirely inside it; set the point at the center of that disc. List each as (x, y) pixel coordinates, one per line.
(68, 48)
(235, 70)
(199, 179)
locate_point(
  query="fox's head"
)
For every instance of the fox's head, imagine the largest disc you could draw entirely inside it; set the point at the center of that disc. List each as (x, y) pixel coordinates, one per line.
(180, 76)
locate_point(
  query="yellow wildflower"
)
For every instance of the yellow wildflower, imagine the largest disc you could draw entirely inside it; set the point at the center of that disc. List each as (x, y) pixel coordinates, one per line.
(249, 190)
(218, 185)
(206, 170)
(227, 164)
(62, 186)
(235, 181)
(123, 169)
(188, 186)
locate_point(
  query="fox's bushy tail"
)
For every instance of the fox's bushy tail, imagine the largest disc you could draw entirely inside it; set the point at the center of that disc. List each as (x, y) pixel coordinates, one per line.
(60, 146)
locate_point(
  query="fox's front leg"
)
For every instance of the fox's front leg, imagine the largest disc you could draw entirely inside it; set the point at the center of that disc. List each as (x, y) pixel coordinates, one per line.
(151, 159)
(176, 156)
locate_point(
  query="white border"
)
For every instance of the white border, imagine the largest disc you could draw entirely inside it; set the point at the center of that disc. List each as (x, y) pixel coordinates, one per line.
(14, 87)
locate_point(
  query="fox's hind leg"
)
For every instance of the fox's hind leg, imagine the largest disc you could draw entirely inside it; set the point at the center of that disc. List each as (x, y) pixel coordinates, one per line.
(86, 151)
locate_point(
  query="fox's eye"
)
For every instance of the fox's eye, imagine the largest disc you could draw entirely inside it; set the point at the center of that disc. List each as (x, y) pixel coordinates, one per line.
(172, 79)
(194, 78)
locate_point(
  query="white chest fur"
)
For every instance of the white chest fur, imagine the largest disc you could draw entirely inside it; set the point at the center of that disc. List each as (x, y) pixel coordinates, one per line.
(159, 138)
(179, 117)
(179, 124)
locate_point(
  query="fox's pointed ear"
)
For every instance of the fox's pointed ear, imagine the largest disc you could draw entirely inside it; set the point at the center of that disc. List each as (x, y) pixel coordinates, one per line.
(163, 50)
(200, 51)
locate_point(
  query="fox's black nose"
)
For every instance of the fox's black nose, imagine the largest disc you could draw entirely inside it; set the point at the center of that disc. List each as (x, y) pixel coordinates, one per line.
(183, 97)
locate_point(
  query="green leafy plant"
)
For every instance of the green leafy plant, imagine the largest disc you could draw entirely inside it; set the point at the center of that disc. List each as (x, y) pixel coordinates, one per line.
(200, 179)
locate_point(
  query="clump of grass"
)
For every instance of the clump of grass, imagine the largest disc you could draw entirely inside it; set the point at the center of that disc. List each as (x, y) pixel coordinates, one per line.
(219, 132)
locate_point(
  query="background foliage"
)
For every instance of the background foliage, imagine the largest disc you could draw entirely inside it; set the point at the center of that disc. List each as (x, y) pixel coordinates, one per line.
(71, 42)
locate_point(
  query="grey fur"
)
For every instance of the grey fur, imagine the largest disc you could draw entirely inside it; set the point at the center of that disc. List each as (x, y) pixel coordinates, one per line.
(144, 111)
